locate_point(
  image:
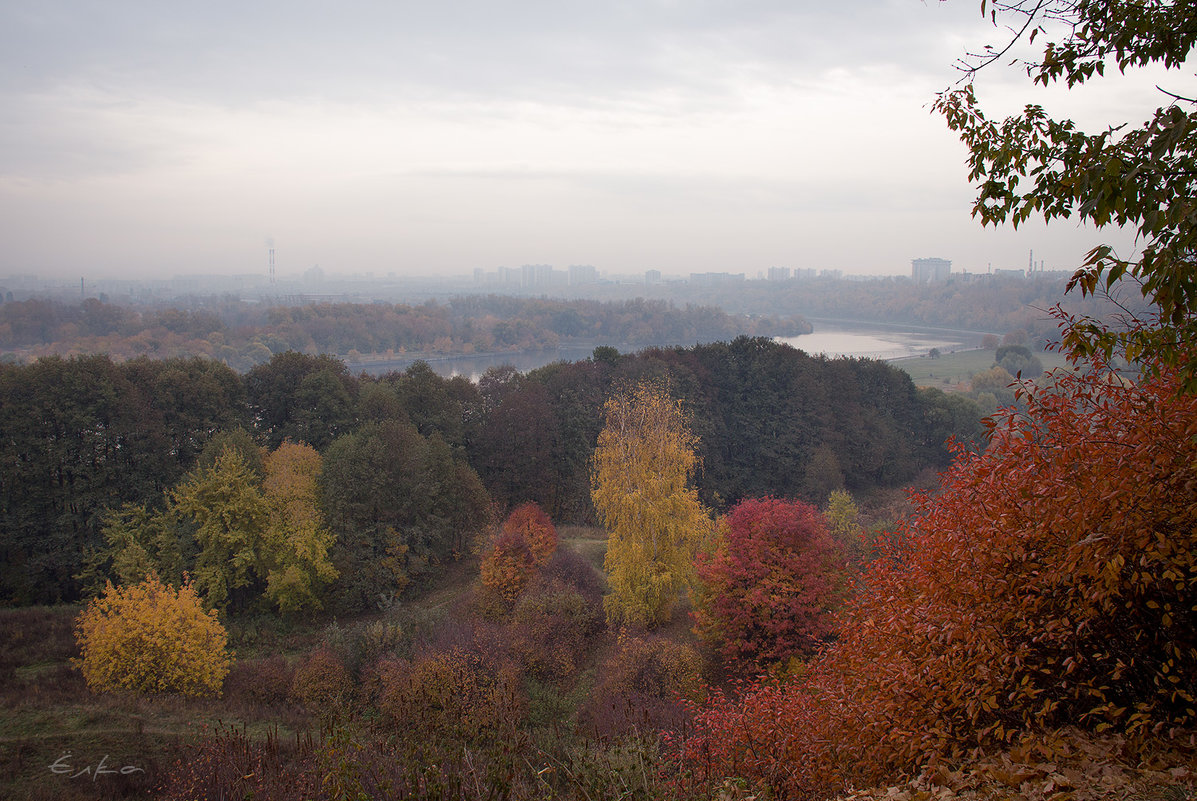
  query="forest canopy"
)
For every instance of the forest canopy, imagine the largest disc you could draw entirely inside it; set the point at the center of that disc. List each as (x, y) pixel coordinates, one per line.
(411, 462)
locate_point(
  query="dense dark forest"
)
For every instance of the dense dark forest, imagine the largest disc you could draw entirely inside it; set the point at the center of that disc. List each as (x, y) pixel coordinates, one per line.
(413, 461)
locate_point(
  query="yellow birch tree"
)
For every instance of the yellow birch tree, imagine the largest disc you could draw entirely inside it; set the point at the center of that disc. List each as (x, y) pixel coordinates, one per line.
(640, 486)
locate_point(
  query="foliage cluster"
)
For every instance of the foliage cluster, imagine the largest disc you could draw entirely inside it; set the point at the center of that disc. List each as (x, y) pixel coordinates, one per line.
(264, 682)
(1130, 176)
(1077, 610)
(322, 683)
(643, 684)
(244, 336)
(767, 591)
(83, 435)
(399, 504)
(243, 535)
(551, 629)
(453, 694)
(152, 638)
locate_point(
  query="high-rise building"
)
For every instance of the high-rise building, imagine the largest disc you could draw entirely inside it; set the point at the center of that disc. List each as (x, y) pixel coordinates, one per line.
(926, 271)
(582, 274)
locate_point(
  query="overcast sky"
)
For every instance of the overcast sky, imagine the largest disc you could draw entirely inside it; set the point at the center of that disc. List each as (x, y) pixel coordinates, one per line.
(429, 138)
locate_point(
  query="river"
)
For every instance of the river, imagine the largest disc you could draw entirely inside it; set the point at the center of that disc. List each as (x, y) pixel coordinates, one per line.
(831, 338)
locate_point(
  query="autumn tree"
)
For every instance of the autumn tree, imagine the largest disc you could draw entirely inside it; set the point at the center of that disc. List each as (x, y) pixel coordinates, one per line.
(530, 523)
(1125, 175)
(232, 521)
(767, 591)
(298, 541)
(640, 486)
(526, 540)
(151, 638)
(843, 524)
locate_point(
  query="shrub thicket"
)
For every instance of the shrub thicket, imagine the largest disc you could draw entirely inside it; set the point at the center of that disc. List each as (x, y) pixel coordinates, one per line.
(643, 686)
(1052, 582)
(452, 694)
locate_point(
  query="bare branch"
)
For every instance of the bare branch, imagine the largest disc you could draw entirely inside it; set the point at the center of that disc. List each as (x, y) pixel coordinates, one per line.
(1174, 96)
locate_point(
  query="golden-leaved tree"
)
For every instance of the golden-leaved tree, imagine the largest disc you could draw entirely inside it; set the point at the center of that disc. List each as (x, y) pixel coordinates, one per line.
(151, 638)
(640, 486)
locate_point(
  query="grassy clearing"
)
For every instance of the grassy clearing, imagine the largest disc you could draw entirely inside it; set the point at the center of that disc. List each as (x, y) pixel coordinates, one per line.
(588, 542)
(953, 371)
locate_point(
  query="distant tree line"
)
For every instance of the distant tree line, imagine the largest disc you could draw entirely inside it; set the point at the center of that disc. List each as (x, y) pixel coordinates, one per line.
(413, 464)
(982, 303)
(243, 335)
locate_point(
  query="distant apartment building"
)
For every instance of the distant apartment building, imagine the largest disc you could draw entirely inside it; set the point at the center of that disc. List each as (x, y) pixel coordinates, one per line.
(926, 271)
(504, 277)
(580, 274)
(779, 273)
(715, 279)
(652, 276)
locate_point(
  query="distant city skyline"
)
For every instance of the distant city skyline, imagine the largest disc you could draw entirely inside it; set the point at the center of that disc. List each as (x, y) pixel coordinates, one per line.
(432, 140)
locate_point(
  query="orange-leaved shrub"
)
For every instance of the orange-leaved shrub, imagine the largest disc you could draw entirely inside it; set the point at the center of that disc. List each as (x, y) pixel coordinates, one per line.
(321, 682)
(152, 638)
(1051, 582)
(534, 526)
(452, 693)
(525, 542)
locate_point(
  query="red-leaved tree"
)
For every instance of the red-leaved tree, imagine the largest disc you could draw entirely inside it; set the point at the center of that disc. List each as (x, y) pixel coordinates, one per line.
(1051, 582)
(767, 592)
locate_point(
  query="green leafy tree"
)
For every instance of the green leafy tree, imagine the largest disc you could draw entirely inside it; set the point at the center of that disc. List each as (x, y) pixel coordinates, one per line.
(1135, 175)
(142, 543)
(302, 398)
(398, 504)
(641, 490)
(232, 520)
